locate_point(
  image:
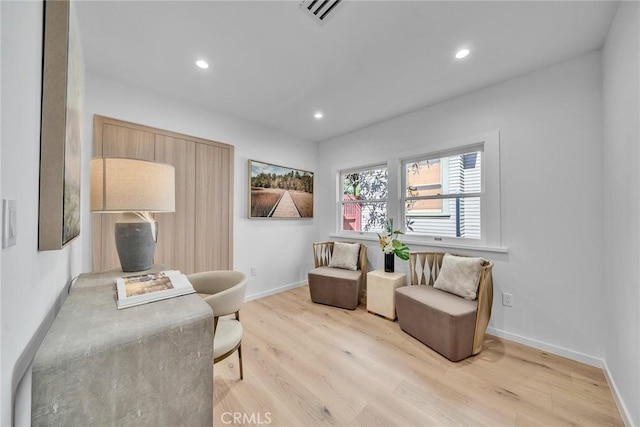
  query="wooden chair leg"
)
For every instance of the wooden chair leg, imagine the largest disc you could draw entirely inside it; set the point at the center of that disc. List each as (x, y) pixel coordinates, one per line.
(240, 360)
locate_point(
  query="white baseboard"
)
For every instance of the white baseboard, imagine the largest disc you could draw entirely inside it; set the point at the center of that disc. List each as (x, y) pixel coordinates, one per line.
(274, 291)
(560, 351)
(624, 412)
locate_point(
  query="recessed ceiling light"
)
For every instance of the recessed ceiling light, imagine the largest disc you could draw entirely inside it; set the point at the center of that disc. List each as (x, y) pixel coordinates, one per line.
(462, 53)
(318, 115)
(202, 64)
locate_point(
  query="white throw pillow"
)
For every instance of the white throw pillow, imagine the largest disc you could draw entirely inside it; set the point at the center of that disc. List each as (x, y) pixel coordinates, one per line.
(345, 255)
(460, 275)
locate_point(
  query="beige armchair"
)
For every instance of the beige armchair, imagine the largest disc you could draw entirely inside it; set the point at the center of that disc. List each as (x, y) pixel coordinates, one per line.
(338, 287)
(451, 325)
(224, 291)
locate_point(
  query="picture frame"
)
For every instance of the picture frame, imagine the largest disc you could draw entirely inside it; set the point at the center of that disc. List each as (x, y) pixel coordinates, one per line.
(279, 192)
(60, 131)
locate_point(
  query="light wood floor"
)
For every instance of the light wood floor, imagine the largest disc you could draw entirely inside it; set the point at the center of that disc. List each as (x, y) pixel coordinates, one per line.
(307, 364)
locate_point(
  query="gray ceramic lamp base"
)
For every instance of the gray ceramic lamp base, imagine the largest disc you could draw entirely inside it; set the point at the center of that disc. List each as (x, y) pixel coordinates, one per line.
(135, 245)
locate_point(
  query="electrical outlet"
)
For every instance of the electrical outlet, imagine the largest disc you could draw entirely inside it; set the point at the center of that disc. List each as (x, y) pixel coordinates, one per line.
(253, 271)
(507, 299)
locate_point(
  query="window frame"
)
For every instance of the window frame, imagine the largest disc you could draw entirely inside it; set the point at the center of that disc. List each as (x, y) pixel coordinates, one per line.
(491, 239)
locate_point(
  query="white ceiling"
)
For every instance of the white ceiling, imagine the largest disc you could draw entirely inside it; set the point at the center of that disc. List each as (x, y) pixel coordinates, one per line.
(372, 60)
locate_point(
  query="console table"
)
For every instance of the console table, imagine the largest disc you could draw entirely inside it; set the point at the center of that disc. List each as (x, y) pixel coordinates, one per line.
(146, 365)
(381, 287)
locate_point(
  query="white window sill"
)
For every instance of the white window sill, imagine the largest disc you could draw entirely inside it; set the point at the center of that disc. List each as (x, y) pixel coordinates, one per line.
(417, 242)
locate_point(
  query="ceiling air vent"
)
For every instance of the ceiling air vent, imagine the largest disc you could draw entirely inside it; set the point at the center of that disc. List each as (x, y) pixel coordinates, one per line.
(320, 10)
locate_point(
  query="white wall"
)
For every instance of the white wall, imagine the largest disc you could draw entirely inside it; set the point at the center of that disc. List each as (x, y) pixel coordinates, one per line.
(621, 154)
(279, 249)
(31, 280)
(1, 388)
(550, 142)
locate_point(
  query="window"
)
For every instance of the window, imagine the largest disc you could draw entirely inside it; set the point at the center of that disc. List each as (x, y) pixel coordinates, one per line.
(363, 201)
(443, 194)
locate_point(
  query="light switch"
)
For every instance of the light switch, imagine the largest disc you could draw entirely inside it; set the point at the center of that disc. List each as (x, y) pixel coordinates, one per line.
(9, 225)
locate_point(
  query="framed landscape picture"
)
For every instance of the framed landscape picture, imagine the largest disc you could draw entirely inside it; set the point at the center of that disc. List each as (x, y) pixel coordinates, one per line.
(60, 133)
(279, 191)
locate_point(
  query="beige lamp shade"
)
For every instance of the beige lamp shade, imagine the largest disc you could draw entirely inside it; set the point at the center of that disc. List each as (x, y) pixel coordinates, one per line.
(131, 185)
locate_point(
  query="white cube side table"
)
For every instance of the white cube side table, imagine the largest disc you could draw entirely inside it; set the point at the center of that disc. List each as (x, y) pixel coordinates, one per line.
(381, 288)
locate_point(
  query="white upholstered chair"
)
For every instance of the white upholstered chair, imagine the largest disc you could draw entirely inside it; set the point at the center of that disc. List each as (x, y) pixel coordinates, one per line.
(224, 291)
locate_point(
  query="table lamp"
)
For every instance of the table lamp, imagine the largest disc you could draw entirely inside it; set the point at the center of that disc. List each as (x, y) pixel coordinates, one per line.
(135, 188)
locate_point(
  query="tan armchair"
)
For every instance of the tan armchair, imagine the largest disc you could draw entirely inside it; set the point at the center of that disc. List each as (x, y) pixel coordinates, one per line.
(224, 291)
(451, 325)
(337, 287)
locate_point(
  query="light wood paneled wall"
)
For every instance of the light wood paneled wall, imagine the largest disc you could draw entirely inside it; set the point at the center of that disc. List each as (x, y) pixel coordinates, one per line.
(213, 179)
(178, 228)
(198, 235)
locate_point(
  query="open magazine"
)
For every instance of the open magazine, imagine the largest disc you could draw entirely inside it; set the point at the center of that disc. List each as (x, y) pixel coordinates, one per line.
(144, 288)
